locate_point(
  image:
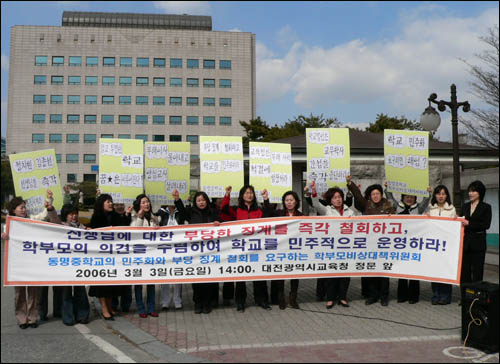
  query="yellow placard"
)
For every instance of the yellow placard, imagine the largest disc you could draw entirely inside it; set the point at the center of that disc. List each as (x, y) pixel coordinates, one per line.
(167, 167)
(271, 169)
(33, 174)
(121, 169)
(328, 157)
(406, 155)
(221, 165)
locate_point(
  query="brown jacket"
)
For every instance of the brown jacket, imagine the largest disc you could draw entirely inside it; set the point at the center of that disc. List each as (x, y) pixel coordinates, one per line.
(368, 207)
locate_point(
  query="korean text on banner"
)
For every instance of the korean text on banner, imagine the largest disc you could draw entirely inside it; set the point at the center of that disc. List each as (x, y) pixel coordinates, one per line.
(33, 174)
(410, 247)
(221, 165)
(328, 157)
(121, 169)
(406, 156)
(167, 168)
(271, 169)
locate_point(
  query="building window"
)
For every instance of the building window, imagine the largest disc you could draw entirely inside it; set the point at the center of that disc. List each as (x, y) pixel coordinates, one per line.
(225, 120)
(175, 120)
(141, 100)
(192, 101)
(89, 158)
(224, 64)
(92, 61)
(159, 62)
(39, 99)
(41, 60)
(209, 82)
(193, 139)
(90, 138)
(192, 82)
(142, 62)
(209, 120)
(75, 61)
(125, 81)
(209, 101)
(74, 80)
(175, 63)
(90, 119)
(176, 101)
(58, 158)
(55, 138)
(193, 63)
(125, 100)
(40, 80)
(89, 177)
(125, 61)
(158, 138)
(91, 80)
(71, 177)
(57, 80)
(57, 61)
(107, 119)
(224, 102)
(141, 119)
(72, 138)
(123, 136)
(175, 138)
(38, 118)
(224, 83)
(142, 81)
(192, 120)
(73, 119)
(56, 118)
(108, 100)
(124, 119)
(159, 119)
(90, 99)
(158, 100)
(209, 64)
(175, 82)
(159, 81)
(38, 138)
(56, 99)
(73, 99)
(107, 136)
(108, 80)
(143, 137)
(72, 158)
(108, 61)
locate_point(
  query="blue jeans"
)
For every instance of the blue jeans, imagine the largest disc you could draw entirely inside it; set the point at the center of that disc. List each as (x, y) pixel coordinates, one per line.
(150, 300)
(75, 304)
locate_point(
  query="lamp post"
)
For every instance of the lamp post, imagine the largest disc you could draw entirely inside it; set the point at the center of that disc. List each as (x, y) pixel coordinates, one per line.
(430, 120)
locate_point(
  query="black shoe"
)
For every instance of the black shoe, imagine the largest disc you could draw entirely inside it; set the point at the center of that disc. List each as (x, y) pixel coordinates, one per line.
(83, 322)
(328, 307)
(402, 300)
(265, 306)
(23, 326)
(371, 301)
(240, 307)
(412, 302)
(434, 302)
(207, 308)
(110, 318)
(384, 301)
(442, 302)
(69, 323)
(198, 308)
(343, 304)
(34, 325)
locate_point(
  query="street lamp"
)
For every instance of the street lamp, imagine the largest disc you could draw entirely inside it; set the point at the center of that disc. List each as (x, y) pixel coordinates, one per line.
(430, 121)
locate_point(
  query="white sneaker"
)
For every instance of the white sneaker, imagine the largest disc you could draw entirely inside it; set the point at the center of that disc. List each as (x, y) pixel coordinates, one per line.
(178, 306)
(164, 308)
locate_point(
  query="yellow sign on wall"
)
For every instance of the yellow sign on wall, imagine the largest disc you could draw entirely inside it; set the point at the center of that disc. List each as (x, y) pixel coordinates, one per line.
(121, 169)
(221, 165)
(407, 161)
(271, 169)
(33, 174)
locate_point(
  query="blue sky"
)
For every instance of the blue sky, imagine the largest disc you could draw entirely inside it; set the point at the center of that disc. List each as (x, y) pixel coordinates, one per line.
(349, 60)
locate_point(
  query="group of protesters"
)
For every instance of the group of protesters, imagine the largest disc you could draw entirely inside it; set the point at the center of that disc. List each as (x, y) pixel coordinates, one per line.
(72, 305)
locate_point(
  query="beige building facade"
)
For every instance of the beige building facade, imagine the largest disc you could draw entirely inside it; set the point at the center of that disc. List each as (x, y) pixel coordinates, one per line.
(73, 84)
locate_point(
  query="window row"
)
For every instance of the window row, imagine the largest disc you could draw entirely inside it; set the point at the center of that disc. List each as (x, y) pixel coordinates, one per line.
(77, 61)
(74, 138)
(127, 119)
(127, 81)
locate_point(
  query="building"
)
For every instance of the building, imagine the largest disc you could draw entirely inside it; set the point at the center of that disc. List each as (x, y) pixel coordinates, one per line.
(112, 75)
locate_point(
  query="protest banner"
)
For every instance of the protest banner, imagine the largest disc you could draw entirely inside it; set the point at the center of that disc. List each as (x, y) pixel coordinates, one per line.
(406, 154)
(328, 157)
(221, 165)
(121, 169)
(410, 247)
(270, 169)
(33, 173)
(167, 167)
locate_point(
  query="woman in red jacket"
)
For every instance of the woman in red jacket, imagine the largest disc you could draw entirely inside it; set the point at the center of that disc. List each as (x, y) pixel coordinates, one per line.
(247, 209)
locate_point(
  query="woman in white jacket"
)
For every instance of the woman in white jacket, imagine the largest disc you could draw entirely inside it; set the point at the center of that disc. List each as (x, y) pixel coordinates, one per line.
(441, 206)
(336, 288)
(142, 216)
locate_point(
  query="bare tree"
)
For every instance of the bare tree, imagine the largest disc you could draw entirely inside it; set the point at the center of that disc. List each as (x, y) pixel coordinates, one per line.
(483, 126)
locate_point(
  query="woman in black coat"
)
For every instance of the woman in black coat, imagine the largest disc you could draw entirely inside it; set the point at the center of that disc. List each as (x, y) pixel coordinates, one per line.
(478, 219)
(200, 213)
(104, 215)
